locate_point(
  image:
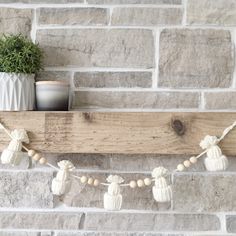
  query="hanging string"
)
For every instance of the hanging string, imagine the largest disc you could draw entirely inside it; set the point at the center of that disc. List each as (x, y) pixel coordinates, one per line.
(224, 134)
(226, 131)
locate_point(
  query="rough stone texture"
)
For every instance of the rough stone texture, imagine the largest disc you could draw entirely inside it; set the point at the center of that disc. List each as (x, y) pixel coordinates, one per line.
(150, 222)
(54, 75)
(26, 189)
(41, 220)
(135, 1)
(15, 21)
(83, 161)
(195, 58)
(98, 47)
(114, 234)
(139, 163)
(5, 233)
(231, 223)
(149, 162)
(121, 162)
(24, 164)
(73, 16)
(213, 192)
(106, 60)
(146, 16)
(158, 100)
(46, 233)
(86, 196)
(215, 234)
(218, 12)
(42, 1)
(220, 100)
(113, 79)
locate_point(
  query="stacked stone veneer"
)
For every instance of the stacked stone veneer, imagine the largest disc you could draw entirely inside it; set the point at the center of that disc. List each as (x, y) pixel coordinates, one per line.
(127, 55)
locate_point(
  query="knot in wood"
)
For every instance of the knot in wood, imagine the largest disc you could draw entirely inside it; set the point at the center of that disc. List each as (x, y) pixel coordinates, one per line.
(87, 116)
(178, 127)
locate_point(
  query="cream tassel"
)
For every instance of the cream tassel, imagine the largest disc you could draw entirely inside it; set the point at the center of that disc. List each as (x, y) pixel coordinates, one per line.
(13, 154)
(215, 161)
(61, 184)
(113, 198)
(161, 191)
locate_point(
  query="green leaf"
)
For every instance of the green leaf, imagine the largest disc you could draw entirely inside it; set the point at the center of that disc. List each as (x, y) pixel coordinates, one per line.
(18, 54)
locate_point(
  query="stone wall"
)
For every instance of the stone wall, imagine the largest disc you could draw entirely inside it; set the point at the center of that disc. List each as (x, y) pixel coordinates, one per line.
(127, 55)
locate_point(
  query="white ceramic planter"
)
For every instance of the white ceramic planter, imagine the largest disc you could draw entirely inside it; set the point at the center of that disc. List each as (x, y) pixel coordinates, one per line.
(17, 92)
(52, 95)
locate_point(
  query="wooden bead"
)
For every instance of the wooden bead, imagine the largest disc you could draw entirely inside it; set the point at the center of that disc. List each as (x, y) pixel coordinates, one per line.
(90, 181)
(140, 183)
(187, 163)
(147, 181)
(43, 161)
(180, 167)
(193, 160)
(37, 156)
(132, 184)
(96, 182)
(31, 153)
(83, 179)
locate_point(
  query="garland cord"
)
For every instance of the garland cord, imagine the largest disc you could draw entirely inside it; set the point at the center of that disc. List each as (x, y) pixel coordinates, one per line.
(224, 134)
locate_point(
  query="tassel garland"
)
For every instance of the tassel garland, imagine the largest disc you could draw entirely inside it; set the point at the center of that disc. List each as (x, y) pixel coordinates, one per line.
(62, 182)
(162, 191)
(13, 154)
(113, 198)
(215, 161)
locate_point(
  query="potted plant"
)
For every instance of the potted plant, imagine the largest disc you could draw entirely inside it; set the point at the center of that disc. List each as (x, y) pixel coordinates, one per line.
(20, 60)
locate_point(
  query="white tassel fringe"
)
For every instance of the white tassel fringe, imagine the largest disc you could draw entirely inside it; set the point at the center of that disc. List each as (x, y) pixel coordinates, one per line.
(61, 184)
(215, 161)
(162, 192)
(113, 199)
(12, 154)
(218, 164)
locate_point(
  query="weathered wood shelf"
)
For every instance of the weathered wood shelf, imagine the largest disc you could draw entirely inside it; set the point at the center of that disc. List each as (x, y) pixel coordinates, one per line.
(126, 132)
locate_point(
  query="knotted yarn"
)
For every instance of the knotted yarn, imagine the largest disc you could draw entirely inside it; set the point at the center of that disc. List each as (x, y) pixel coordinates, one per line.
(214, 161)
(13, 153)
(162, 192)
(113, 198)
(61, 184)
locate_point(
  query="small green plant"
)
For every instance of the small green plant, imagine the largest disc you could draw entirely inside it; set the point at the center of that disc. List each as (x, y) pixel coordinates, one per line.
(18, 54)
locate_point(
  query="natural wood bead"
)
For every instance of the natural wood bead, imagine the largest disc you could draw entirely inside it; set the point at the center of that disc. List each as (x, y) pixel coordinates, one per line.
(140, 183)
(193, 160)
(180, 167)
(83, 179)
(187, 163)
(90, 181)
(147, 181)
(43, 161)
(132, 184)
(31, 153)
(36, 156)
(96, 182)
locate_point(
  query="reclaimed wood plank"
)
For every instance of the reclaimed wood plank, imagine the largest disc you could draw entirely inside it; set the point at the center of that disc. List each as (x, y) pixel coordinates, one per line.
(120, 132)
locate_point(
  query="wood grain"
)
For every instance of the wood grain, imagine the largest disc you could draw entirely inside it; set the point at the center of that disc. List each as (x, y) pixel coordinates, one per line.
(154, 132)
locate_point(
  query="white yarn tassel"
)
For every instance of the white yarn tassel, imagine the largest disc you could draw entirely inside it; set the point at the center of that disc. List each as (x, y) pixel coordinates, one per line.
(13, 154)
(113, 198)
(162, 192)
(215, 161)
(61, 184)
